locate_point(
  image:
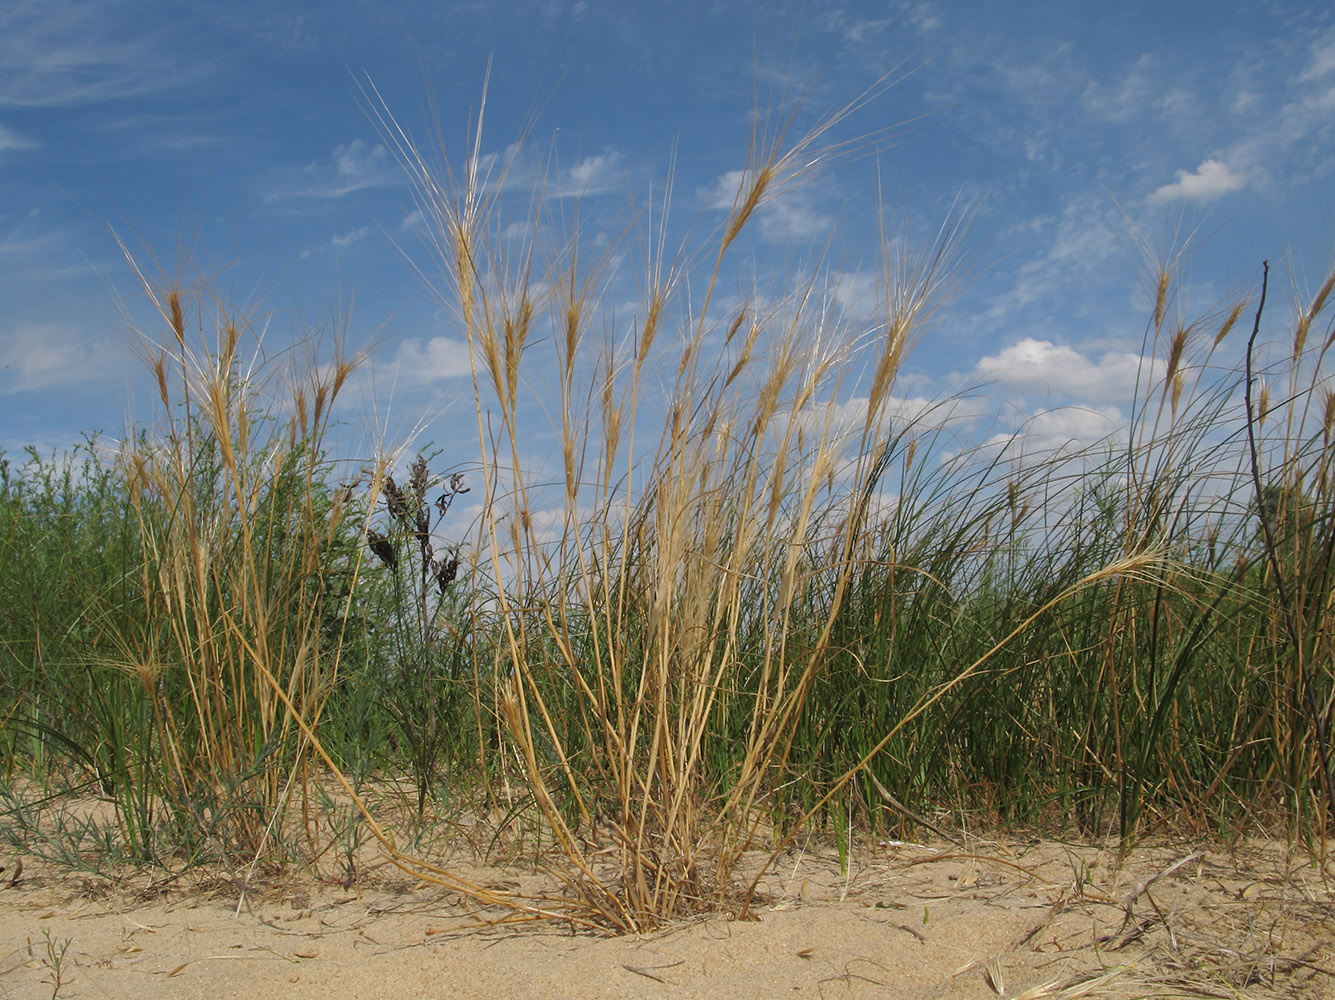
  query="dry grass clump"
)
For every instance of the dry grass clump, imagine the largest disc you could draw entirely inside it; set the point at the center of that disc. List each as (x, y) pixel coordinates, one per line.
(238, 528)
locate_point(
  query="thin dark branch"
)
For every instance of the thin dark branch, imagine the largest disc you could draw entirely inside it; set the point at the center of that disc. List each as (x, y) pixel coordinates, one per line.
(1272, 557)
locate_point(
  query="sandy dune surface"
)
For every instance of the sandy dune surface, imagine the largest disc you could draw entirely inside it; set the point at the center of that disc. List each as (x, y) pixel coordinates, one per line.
(1018, 919)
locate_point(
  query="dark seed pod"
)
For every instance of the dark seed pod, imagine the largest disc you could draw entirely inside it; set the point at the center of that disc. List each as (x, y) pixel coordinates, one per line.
(417, 480)
(382, 548)
(396, 501)
(446, 573)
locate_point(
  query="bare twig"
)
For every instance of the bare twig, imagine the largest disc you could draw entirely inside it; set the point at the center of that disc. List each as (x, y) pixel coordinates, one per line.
(1123, 934)
(905, 811)
(644, 971)
(1140, 889)
(1272, 556)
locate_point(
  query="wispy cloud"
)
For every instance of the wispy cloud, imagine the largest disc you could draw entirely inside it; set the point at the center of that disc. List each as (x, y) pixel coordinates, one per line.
(1063, 430)
(721, 196)
(793, 215)
(340, 241)
(1077, 242)
(602, 173)
(1322, 62)
(859, 294)
(67, 53)
(850, 416)
(349, 238)
(11, 140)
(1126, 99)
(44, 355)
(1279, 133)
(1210, 180)
(25, 245)
(857, 30)
(351, 167)
(923, 16)
(32, 251)
(516, 169)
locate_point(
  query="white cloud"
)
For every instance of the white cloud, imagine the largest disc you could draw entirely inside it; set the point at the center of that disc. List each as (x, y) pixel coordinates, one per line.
(1039, 366)
(1210, 180)
(420, 361)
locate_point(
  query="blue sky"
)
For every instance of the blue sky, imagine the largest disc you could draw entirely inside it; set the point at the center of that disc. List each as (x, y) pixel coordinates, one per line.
(238, 130)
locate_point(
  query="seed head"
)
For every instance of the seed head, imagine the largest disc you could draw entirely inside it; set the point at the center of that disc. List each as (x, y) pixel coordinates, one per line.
(446, 572)
(382, 548)
(396, 501)
(417, 481)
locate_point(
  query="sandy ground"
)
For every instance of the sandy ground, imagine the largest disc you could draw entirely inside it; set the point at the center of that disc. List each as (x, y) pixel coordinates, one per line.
(1015, 919)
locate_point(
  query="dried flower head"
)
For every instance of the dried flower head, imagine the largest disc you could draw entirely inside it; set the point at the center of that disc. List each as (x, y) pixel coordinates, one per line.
(418, 478)
(382, 548)
(396, 502)
(446, 572)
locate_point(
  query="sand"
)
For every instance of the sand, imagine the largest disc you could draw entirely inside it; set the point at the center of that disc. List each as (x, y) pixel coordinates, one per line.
(1020, 918)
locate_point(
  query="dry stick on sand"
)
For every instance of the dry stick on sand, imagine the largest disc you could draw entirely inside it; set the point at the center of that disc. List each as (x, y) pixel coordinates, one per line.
(1140, 890)
(905, 811)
